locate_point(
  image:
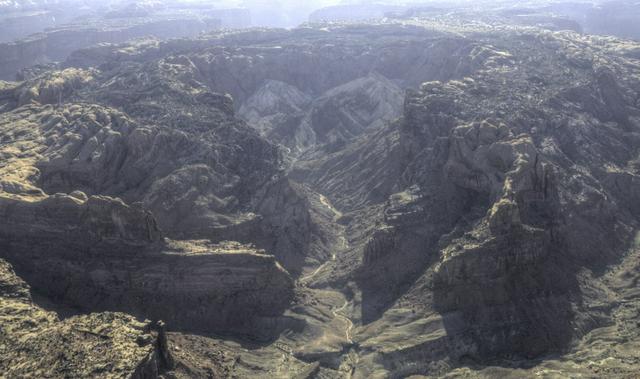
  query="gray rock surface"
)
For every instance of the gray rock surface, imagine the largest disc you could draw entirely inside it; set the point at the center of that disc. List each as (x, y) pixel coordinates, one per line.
(95, 252)
(285, 115)
(452, 198)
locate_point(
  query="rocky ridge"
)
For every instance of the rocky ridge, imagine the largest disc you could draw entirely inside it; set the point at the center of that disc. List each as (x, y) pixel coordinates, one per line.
(44, 34)
(110, 241)
(506, 267)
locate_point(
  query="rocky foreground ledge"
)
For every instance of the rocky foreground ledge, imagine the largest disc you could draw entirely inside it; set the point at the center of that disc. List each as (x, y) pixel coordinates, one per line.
(36, 343)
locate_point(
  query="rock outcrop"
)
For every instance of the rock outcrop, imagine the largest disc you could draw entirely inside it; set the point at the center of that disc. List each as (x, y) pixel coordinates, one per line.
(86, 248)
(200, 185)
(499, 223)
(34, 341)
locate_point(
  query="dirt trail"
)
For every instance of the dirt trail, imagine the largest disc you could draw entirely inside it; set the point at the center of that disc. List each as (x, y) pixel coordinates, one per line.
(336, 213)
(349, 328)
(308, 277)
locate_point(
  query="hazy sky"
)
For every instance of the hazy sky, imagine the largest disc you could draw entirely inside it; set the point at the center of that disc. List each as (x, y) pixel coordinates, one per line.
(284, 13)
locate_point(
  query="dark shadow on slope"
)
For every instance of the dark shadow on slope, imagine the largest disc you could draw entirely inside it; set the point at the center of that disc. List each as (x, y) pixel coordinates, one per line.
(407, 243)
(522, 312)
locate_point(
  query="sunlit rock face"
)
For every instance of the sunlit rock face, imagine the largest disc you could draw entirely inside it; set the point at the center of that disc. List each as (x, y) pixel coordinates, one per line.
(419, 196)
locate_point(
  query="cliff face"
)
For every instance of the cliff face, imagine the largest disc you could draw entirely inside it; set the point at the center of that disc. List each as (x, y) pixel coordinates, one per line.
(77, 218)
(504, 184)
(191, 286)
(98, 253)
(312, 60)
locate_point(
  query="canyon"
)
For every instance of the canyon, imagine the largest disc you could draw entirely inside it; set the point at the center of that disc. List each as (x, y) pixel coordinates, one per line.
(418, 196)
